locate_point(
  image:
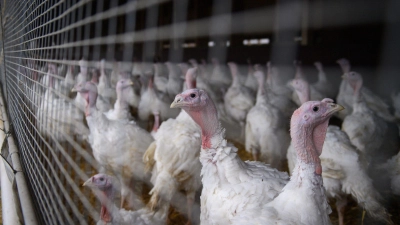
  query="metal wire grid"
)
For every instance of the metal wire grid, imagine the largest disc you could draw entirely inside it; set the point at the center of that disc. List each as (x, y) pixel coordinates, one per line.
(34, 34)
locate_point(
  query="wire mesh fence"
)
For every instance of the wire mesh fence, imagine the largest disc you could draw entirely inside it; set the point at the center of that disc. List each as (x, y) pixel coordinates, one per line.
(46, 46)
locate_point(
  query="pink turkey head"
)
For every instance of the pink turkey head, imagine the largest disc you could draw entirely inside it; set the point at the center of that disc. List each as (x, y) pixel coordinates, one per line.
(95, 76)
(355, 80)
(233, 68)
(308, 127)
(201, 108)
(102, 185)
(99, 181)
(88, 91)
(191, 100)
(123, 83)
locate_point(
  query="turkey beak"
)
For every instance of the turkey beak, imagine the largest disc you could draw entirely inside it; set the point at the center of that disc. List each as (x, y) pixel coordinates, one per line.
(130, 83)
(74, 90)
(333, 108)
(178, 102)
(88, 183)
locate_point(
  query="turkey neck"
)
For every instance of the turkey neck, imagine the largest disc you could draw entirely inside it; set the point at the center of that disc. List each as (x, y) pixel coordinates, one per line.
(261, 93)
(304, 95)
(156, 122)
(299, 72)
(321, 75)
(357, 91)
(107, 204)
(104, 80)
(208, 121)
(121, 95)
(91, 98)
(235, 78)
(308, 142)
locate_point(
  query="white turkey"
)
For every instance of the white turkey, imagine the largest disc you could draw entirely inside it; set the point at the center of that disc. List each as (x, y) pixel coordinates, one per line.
(237, 192)
(82, 76)
(118, 146)
(343, 172)
(267, 137)
(175, 81)
(276, 83)
(238, 99)
(121, 107)
(104, 87)
(374, 102)
(219, 79)
(103, 104)
(105, 187)
(278, 95)
(160, 77)
(392, 170)
(56, 115)
(314, 94)
(251, 82)
(375, 138)
(174, 159)
(154, 100)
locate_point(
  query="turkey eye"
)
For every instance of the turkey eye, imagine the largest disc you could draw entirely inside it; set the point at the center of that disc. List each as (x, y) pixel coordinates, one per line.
(192, 95)
(101, 179)
(315, 108)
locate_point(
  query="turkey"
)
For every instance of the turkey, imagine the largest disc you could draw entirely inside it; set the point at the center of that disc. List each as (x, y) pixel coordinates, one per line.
(153, 100)
(392, 169)
(219, 79)
(57, 116)
(174, 159)
(374, 102)
(342, 170)
(104, 187)
(278, 96)
(375, 138)
(266, 135)
(82, 76)
(202, 83)
(127, 141)
(276, 84)
(251, 81)
(237, 192)
(238, 99)
(314, 94)
(104, 86)
(160, 78)
(102, 104)
(323, 86)
(121, 107)
(175, 81)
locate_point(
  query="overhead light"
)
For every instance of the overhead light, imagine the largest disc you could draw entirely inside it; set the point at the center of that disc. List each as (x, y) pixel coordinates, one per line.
(189, 45)
(264, 41)
(211, 44)
(228, 43)
(253, 41)
(261, 41)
